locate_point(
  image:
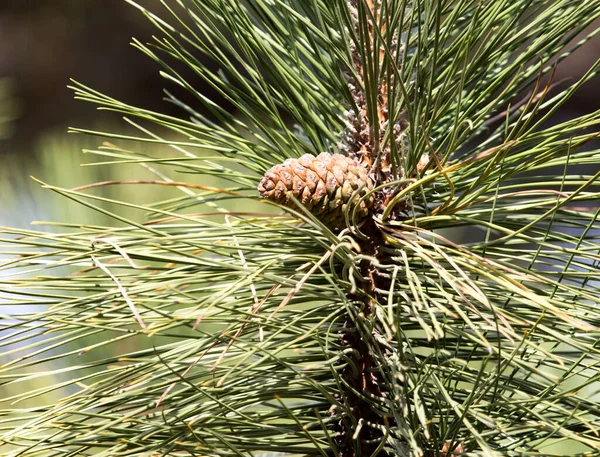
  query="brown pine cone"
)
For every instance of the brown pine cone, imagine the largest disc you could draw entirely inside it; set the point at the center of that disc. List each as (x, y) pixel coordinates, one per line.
(323, 184)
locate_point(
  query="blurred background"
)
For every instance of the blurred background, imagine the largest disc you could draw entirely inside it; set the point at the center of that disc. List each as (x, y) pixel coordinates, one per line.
(44, 43)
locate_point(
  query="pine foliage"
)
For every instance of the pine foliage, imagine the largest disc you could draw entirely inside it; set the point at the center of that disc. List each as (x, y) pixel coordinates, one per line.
(460, 315)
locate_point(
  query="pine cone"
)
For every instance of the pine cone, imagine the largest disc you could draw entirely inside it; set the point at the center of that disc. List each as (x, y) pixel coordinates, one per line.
(323, 184)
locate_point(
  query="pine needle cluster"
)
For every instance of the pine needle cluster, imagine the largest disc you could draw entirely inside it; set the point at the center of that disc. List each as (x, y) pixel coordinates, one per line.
(444, 302)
